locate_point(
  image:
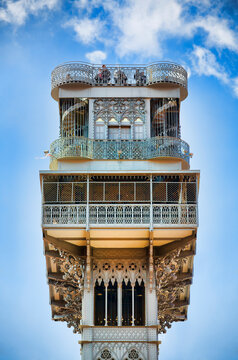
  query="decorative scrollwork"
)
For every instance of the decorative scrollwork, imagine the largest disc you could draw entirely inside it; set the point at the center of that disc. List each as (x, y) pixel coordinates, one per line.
(71, 288)
(168, 288)
(119, 108)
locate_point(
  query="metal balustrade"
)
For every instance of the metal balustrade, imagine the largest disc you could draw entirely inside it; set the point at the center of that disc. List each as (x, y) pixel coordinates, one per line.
(119, 75)
(80, 147)
(120, 214)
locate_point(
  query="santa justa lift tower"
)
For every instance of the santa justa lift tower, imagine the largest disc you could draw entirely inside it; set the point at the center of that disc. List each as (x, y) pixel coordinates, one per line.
(119, 207)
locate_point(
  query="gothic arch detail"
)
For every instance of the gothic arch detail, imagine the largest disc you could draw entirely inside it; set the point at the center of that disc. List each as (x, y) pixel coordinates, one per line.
(133, 354)
(105, 354)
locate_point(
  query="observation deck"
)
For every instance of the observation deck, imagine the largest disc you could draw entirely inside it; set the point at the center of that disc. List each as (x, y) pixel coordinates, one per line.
(84, 148)
(158, 74)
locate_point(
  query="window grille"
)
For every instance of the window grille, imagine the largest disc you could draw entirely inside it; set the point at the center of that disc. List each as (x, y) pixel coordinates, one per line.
(74, 117)
(165, 117)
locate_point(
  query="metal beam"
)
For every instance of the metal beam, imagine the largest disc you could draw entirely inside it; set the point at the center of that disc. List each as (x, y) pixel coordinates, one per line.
(59, 244)
(166, 249)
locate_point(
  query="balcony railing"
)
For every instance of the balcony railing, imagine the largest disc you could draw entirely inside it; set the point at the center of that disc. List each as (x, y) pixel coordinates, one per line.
(79, 147)
(120, 215)
(119, 75)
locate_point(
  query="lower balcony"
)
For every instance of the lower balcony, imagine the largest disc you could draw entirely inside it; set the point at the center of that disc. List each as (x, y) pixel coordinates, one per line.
(158, 147)
(123, 215)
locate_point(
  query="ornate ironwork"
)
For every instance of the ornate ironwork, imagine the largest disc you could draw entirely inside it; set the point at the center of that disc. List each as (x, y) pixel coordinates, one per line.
(79, 147)
(118, 270)
(123, 214)
(71, 289)
(168, 288)
(118, 75)
(119, 108)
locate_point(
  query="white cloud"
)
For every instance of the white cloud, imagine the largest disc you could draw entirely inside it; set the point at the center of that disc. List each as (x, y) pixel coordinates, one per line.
(96, 57)
(204, 63)
(143, 25)
(235, 86)
(87, 30)
(219, 34)
(16, 12)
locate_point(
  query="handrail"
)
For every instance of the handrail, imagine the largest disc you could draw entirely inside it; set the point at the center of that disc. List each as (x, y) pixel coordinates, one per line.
(120, 214)
(80, 147)
(119, 75)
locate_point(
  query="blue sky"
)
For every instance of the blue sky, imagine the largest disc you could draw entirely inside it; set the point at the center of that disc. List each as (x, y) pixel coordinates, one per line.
(37, 35)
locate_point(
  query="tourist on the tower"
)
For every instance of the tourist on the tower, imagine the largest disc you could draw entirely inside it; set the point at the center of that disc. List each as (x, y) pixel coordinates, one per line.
(120, 77)
(104, 75)
(140, 78)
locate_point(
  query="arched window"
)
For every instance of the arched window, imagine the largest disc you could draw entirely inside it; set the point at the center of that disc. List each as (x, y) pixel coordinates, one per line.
(99, 304)
(112, 304)
(138, 129)
(139, 312)
(126, 304)
(99, 129)
(125, 129)
(113, 129)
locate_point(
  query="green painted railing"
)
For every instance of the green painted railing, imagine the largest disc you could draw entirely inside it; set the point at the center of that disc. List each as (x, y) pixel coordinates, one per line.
(80, 147)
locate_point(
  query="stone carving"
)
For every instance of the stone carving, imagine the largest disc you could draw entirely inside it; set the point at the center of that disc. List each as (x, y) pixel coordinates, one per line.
(116, 270)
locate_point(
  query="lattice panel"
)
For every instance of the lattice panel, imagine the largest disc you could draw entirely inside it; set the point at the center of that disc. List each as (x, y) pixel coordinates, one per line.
(120, 149)
(118, 75)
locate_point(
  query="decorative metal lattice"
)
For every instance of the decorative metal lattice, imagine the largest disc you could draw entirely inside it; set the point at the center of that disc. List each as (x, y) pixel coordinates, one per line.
(120, 191)
(78, 147)
(116, 270)
(119, 214)
(118, 109)
(105, 354)
(133, 75)
(133, 354)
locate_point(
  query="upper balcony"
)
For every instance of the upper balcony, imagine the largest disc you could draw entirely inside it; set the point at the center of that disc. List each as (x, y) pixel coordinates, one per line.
(163, 74)
(83, 148)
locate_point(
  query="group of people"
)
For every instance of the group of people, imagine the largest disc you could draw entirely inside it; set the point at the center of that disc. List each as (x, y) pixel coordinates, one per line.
(120, 78)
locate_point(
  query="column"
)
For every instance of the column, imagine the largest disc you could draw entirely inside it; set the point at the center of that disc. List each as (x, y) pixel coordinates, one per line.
(106, 285)
(151, 203)
(87, 206)
(119, 304)
(133, 303)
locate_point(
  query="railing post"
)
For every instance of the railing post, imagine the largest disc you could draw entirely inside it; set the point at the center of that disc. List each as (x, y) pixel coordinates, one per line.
(151, 203)
(87, 206)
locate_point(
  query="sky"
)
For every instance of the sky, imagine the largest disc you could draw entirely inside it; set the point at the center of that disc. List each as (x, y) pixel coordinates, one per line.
(37, 35)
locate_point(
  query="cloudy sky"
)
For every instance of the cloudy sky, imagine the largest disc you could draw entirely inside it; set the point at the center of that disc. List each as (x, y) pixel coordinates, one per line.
(37, 35)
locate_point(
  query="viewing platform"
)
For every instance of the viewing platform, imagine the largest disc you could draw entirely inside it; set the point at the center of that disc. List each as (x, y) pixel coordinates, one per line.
(84, 148)
(165, 74)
